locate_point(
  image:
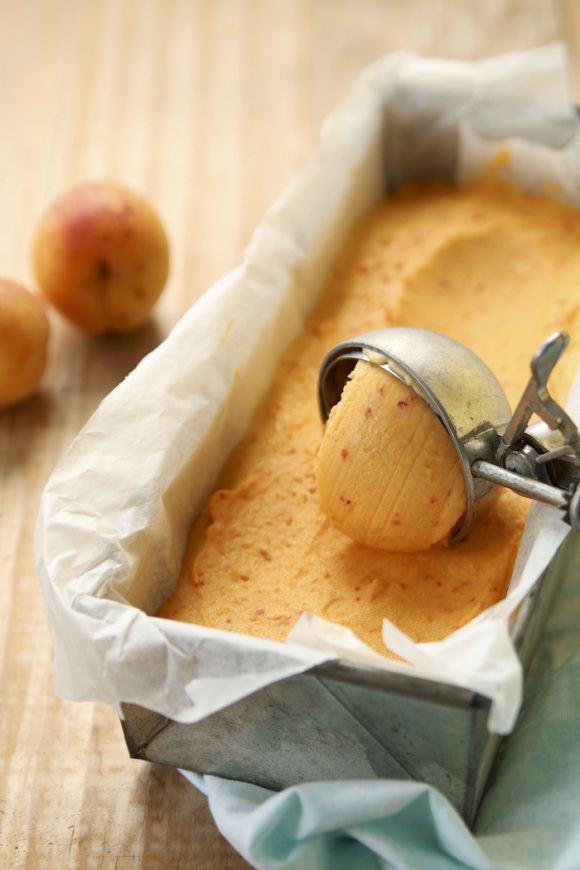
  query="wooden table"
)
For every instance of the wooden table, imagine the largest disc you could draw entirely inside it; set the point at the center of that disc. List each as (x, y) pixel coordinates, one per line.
(209, 108)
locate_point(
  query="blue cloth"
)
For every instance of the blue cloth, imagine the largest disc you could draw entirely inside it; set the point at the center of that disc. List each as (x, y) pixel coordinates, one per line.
(529, 818)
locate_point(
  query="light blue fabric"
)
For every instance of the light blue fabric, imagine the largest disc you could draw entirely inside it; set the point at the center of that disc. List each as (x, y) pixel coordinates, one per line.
(359, 825)
(529, 818)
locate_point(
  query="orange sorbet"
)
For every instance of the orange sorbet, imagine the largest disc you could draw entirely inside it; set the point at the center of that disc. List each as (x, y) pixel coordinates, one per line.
(496, 269)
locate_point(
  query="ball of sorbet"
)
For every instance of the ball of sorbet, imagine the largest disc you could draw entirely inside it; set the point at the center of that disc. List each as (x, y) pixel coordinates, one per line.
(23, 342)
(388, 474)
(101, 257)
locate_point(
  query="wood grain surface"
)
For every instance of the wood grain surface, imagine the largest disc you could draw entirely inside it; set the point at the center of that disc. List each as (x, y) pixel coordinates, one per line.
(208, 108)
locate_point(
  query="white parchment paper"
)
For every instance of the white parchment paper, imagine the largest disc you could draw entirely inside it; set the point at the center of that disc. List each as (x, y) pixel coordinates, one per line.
(115, 514)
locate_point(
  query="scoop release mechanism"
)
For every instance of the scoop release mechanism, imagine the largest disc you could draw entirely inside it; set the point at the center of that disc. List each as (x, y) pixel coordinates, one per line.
(539, 460)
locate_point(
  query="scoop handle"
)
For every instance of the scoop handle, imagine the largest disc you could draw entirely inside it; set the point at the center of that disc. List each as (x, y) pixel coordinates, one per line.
(567, 501)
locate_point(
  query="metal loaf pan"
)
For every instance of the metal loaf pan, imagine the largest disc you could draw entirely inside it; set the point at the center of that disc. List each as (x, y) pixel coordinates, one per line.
(340, 721)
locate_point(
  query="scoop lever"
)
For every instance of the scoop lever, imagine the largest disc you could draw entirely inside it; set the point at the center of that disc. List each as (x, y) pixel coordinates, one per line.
(541, 461)
(536, 398)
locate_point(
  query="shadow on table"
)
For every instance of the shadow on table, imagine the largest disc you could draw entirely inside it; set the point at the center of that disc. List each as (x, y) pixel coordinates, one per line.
(82, 370)
(117, 355)
(179, 810)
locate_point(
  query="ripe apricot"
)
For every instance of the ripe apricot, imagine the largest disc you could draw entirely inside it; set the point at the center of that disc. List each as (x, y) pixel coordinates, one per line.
(24, 333)
(101, 257)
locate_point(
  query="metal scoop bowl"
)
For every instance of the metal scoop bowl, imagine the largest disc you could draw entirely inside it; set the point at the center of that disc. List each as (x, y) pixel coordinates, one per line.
(496, 447)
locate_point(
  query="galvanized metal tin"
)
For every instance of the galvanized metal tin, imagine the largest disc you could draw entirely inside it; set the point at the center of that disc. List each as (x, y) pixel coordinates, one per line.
(340, 721)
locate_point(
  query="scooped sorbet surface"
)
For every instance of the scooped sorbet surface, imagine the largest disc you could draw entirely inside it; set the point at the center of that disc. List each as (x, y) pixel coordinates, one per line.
(494, 268)
(388, 474)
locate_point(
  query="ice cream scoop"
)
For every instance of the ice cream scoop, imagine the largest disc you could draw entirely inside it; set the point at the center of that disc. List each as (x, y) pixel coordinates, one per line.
(379, 469)
(388, 474)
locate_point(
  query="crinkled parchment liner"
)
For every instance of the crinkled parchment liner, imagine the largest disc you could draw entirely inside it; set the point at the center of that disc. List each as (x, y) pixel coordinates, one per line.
(116, 512)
